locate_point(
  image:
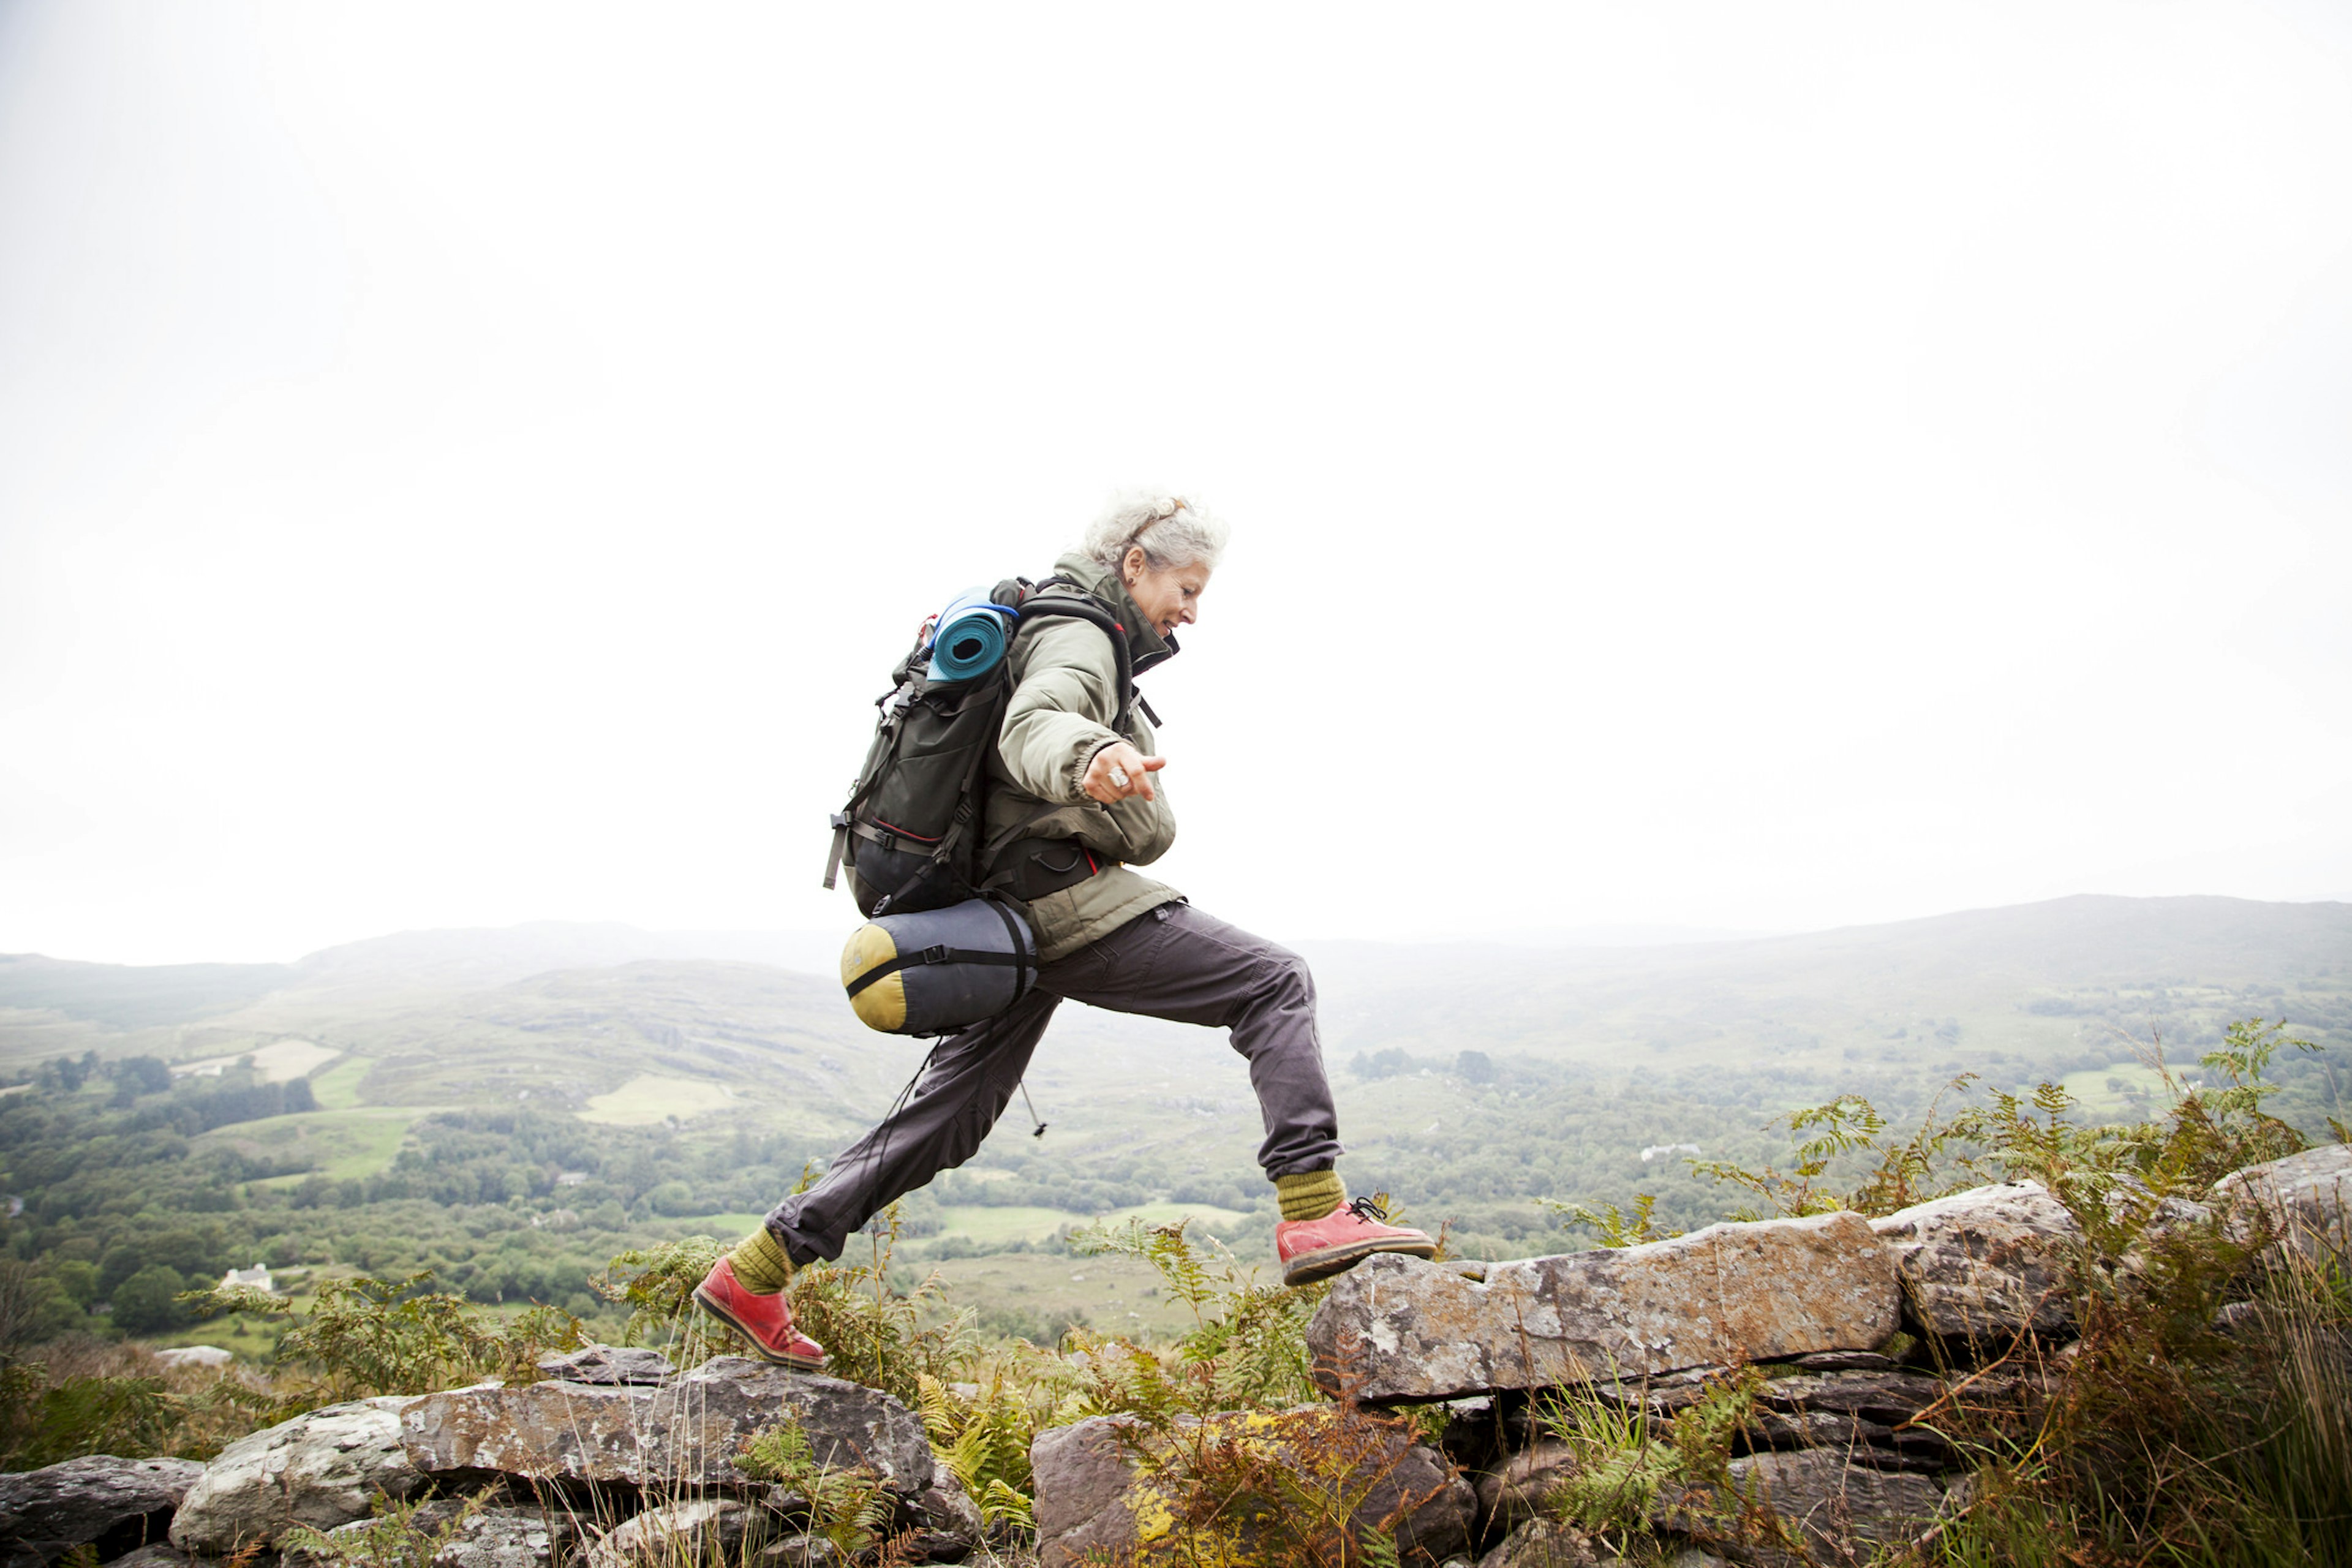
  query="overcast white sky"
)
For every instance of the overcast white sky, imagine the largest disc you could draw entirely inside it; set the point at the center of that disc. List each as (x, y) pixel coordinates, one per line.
(1714, 466)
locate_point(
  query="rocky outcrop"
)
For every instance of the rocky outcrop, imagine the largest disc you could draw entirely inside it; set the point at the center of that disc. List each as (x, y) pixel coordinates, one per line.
(2304, 1201)
(1105, 1486)
(112, 1506)
(1397, 1327)
(321, 1469)
(684, 1433)
(1987, 1263)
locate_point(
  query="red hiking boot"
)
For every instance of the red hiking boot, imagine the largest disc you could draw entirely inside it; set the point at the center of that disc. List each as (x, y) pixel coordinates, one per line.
(1315, 1248)
(765, 1320)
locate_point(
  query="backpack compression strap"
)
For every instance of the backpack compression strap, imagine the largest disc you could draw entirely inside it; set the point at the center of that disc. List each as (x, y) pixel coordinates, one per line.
(1020, 958)
(890, 966)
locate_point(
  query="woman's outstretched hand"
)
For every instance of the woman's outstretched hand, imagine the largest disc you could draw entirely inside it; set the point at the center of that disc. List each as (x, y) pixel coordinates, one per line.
(1118, 772)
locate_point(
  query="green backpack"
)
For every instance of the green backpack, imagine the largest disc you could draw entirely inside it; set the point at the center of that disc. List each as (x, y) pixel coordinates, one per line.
(910, 832)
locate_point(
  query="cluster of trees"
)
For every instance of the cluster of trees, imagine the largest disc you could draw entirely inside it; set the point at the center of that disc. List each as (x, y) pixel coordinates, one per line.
(123, 1208)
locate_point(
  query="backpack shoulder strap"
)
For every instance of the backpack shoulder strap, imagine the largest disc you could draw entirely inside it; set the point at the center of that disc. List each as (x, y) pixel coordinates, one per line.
(1078, 604)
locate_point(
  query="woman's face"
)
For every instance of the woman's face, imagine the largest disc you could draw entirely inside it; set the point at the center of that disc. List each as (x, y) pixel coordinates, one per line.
(1169, 596)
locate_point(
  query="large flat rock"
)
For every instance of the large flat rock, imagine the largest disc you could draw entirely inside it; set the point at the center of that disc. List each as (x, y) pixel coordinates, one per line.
(1398, 1328)
(686, 1433)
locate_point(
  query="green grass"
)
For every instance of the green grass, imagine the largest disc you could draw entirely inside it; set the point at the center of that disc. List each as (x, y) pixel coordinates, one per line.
(1208, 1215)
(2090, 1086)
(340, 1144)
(985, 1225)
(648, 1098)
(726, 1227)
(279, 1061)
(337, 1087)
(1121, 1295)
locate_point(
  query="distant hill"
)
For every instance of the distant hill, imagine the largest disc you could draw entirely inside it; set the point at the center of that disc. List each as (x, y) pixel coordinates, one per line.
(570, 1010)
(2033, 981)
(468, 959)
(128, 996)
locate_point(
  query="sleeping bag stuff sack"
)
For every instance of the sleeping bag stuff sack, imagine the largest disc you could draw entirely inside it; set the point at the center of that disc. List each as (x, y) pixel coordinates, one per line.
(937, 971)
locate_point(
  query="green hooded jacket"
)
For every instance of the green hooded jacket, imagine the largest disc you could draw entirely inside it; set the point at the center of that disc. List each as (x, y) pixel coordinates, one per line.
(1064, 697)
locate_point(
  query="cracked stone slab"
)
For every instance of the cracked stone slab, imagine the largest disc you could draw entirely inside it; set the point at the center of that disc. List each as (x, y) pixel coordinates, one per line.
(686, 1433)
(1397, 1328)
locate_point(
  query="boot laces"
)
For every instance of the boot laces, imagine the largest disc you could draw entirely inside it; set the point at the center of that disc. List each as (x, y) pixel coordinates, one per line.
(1371, 1210)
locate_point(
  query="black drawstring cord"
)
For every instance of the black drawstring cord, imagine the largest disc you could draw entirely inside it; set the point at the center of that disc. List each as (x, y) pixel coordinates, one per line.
(1032, 1104)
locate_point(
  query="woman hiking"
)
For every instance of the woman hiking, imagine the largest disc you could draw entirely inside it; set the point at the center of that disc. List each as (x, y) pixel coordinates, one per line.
(1072, 806)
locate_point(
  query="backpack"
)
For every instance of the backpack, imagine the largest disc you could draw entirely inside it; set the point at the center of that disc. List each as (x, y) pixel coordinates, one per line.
(910, 832)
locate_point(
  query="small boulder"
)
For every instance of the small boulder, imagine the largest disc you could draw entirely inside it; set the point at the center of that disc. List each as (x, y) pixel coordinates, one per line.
(1548, 1543)
(321, 1469)
(1984, 1264)
(798, 1551)
(472, 1536)
(1836, 1510)
(2304, 1201)
(1518, 1491)
(1095, 1495)
(609, 1364)
(698, 1529)
(946, 1523)
(1397, 1327)
(1080, 1476)
(114, 1506)
(159, 1554)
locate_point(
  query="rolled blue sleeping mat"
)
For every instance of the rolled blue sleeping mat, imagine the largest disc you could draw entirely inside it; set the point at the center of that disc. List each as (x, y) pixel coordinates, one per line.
(972, 635)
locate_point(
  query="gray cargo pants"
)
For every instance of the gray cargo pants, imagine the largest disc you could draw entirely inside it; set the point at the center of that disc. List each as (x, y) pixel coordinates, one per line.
(1174, 962)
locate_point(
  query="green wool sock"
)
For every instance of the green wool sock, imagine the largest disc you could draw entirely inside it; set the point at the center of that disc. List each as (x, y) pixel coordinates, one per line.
(761, 1263)
(1310, 1195)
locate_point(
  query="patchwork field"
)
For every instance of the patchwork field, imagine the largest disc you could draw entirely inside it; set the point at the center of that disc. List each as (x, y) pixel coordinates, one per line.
(339, 1144)
(649, 1099)
(337, 1088)
(1115, 1294)
(279, 1061)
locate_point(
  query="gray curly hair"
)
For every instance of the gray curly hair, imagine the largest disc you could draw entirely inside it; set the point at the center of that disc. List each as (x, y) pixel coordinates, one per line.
(1171, 530)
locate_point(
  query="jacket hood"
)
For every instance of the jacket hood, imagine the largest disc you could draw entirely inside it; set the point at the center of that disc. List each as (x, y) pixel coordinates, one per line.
(1145, 646)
